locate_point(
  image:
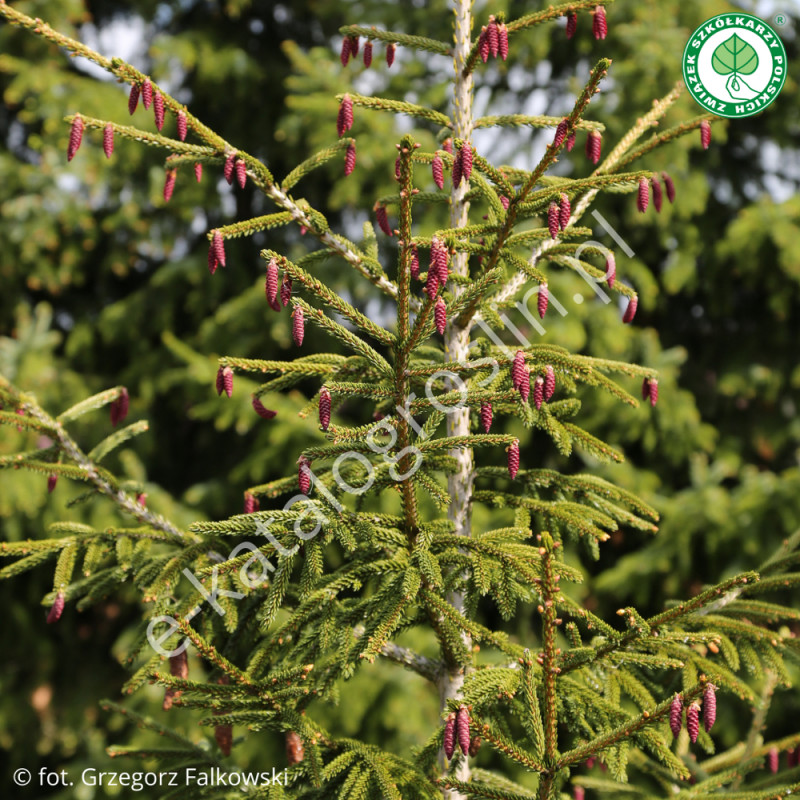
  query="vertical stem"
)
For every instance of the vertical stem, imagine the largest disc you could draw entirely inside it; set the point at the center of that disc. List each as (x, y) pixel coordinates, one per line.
(459, 484)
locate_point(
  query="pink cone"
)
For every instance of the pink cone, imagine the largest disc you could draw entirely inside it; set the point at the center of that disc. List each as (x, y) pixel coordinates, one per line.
(271, 285)
(594, 146)
(108, 140)
(147, 93)
(250, 503)
(456, 170)
(676, 715)
(561, 133)
(462, 729)
(549, 383)
(158, 110)
(344, 55)
(693, 721)
(437, 169)
(772, 755)
(354, 46)
(439, 259)
(483, 44)
(630, 311)
(466, 160)
(75, 137)
(298, 326)
(225, 381)
(447, 145)
(450, 736)
(658, 196)
(350, 159)
(502, 33)
(56, 609)
(52, 480)
(670, 187)
(611, 270)
(216, 252)
(486, 416)
(643, 195)
(440, 315)
(505, 202)
(133, 97)
(513, 459)
(324, 408)
(344, 120)
(538, 392)
(570, 142)
(564, 212)
(118, 409)
(286, 291)
(414, 262)
(382, 219)
(169, 184)
(600, 24)
(525, 386)
(709, 696)
(262, 410)
(543, 300)
(572, 24)
(304, 475)
(493, 38)
(198, 171)
(578, 793)
(227, 170)
(553, 219)
(241, 172)
(390, 52)
(518, 369)
(367, 53)
(652, 391)
(705, 134)
(183, 126)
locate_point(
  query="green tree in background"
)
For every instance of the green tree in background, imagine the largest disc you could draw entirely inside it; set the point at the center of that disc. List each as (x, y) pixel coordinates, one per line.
(740, 484)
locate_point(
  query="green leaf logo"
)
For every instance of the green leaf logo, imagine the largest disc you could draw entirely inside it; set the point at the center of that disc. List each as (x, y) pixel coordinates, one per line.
(735, 55)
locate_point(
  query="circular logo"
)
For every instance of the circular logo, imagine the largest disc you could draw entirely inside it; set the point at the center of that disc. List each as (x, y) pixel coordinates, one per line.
(734, 65)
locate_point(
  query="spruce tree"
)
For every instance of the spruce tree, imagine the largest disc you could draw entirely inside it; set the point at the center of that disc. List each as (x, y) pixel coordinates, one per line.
(436, 413)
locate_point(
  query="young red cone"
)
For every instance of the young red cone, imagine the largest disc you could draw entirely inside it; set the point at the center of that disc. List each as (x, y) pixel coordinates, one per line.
(611, 270)
(354, 46)
(502, 33)
(324, 408)
(553, 219)
(169, 184)
(466, 160)
(599, 24)
(158, 110)
(344, 120)
(570, 142)
(147, 93)
(594, 146)
(525, 386)
(564, 212)
(505, 202)
(572, 24)
(462, 729)
(676, 715)
(630, 311)
(241, 172)
(705, 134)
(133, 98)
(367, 53)
(658, 196)
(141, 499)
(183, 126)
(52, 480)
(709, 698)
(414, 262)
(439, 261)
(561, 133)
(538, 392)
(262, 410)
(669, 185)
(693, 721)
(486, 416)
(225, 381)
(108, 140)
(295, 752)
(643, 196)
(227, 170)
(543, 300)
(456, 169)
(651, 391)
(304, 475)
(493, 37)
(549, 383)
(216, 252)
(119, 407)
(298, 326)
(450, 736)
(518, 369)
(382, 219)
(251, 505)
(772, 758)
(390, 51)
(440, 315)
(344, 55)
(350, 159)
(447, 145)
(198, 171)
(271, 285)
(286, 291)
(513, 459)
(432, 282)
(437, 169)
(75, 137)
(56, 609)
(483, 44)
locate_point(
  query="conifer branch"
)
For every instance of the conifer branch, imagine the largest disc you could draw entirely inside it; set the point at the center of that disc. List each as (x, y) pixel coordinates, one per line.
(540, 121)
(403, 39)
(398, 107)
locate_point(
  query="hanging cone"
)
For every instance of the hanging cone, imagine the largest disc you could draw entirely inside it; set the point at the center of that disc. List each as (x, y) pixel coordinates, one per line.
(513, 459)
(324, 408)
(414, 262)
(518, 369)
(772, 760)
(440, 315)
(169, 184)
(432, 282)
(611, 270)
(486, 416)
(286, 291)
(304, 475)
(75, 137)
(561, 133)
(183, 127)
(354, 46)
(344, 120)
(658, 197)
(141, 499)
(493, 37)
(271, 285)
(367, 53)
(676, 715)
(227, 170)
(439, 260)
(298, 326)
(709, 699)
(241, 172)
(549, 383)
(572, 24)
(599, 24)
(390, 53)
(538, 392)
(553, 219)
(525, 386)
(56, 609)
(705, 134)
(505, 202)
(225, 381)
(262, 410)
(483, 45)
(198, 171)
(147, 94)
(437, 169)
(630, 311)
(450, 736)
(502, 33)
(570, 142)
(652, 391)
(456, 169)
(108, 140)
(250, 503)
(52, 480)
(447, 145)
(350, 159)
(643, 195)
(669, 185)
(382, 219)
(462, 729)
(295, 752)
(543, 300)
(158, 110)
(344, 55)
(564, 212)
(133, 97)
(216, 252)
(119, 407)
(693, 721)
(594, 146)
